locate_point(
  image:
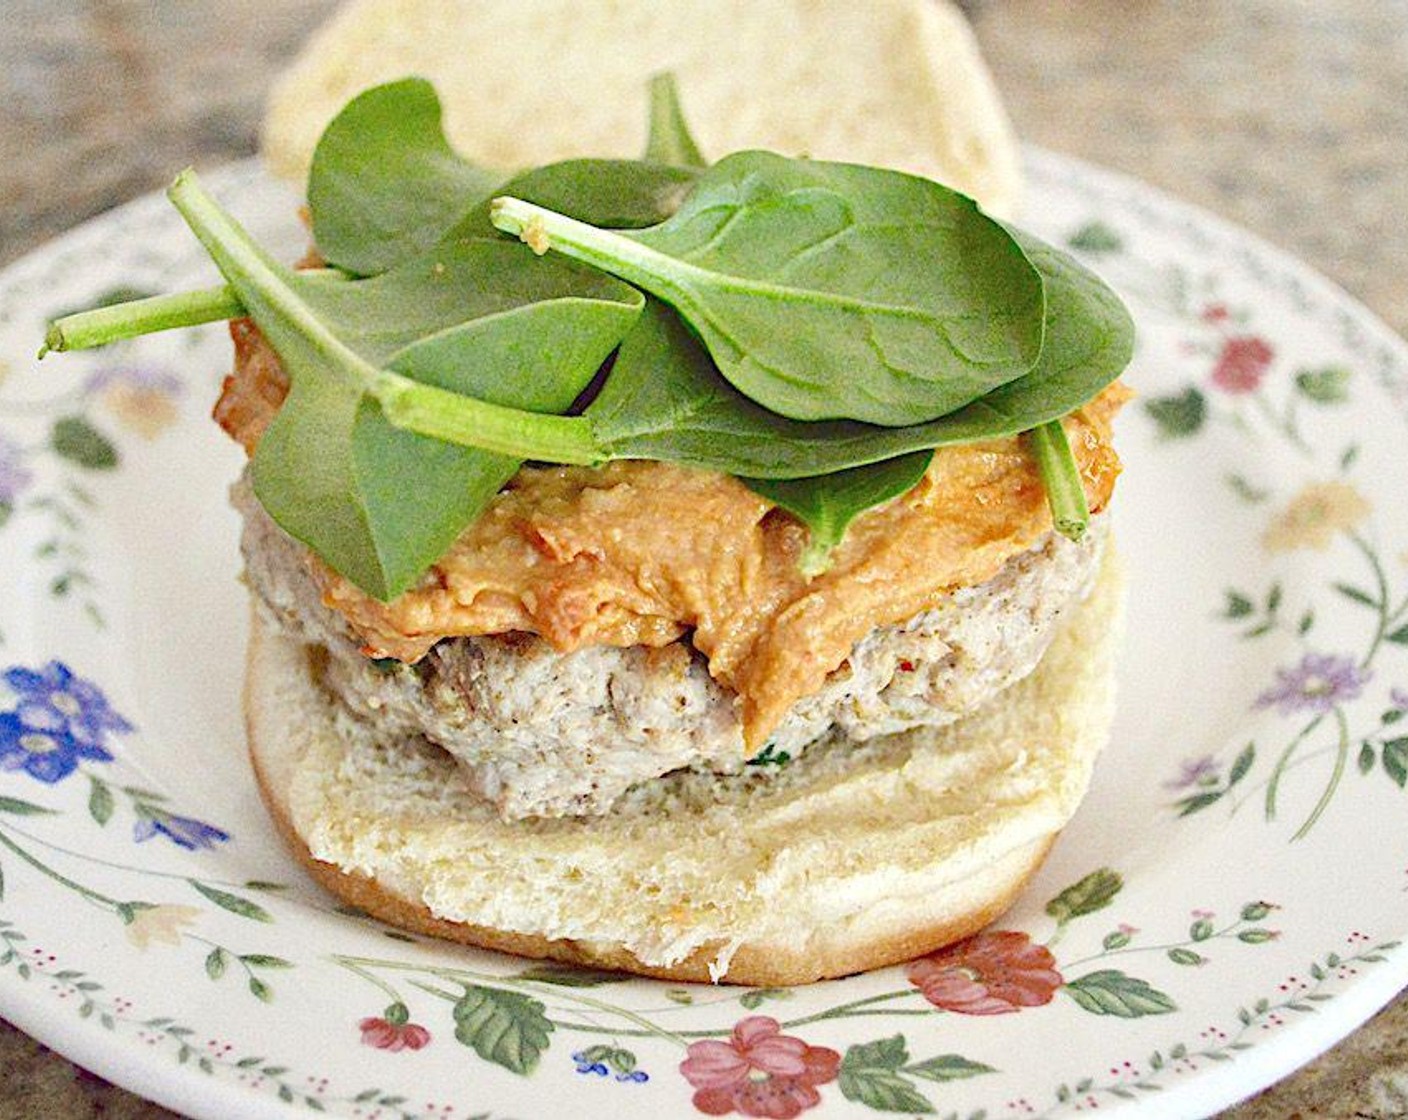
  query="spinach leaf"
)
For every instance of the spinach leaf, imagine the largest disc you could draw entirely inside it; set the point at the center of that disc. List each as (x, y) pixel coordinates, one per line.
(828, 290)
(617, 193)
(385, 183)
(479, 317)
(669, 140)
(665, 400)
(827, 504)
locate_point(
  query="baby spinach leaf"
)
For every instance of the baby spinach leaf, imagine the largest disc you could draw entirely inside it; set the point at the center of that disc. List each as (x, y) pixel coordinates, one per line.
(828, 290)
(376, 502)
(670, 140)
(616, 193)
(827, 504)
(665, 400)
(385, 183)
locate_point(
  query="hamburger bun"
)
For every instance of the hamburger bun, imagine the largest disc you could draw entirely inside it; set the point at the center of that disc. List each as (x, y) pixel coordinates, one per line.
(852, 857)
(895, 83)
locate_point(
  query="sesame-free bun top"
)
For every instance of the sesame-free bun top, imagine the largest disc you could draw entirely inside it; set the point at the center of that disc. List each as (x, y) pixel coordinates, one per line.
(895, 83)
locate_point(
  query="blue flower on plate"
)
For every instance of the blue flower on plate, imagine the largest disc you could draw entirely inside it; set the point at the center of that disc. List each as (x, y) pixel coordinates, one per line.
(49, 756)
(185, 832)
(55, 702)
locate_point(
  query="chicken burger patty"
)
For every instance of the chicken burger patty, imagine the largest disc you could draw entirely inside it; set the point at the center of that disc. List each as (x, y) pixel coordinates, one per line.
(596, 628)
(543, 733)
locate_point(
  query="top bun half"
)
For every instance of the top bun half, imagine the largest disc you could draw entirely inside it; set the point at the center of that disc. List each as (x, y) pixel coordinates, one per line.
(894, 83)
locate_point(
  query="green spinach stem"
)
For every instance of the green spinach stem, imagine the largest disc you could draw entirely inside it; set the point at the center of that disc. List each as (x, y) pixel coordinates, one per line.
(1065, 492)
(263, 286)
(84, 330)
(471, 422)
(87, 329)
(670, 140)
(624, 257)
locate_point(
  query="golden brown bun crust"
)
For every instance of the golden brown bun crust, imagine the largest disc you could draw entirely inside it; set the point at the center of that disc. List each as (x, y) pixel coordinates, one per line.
(759, 965)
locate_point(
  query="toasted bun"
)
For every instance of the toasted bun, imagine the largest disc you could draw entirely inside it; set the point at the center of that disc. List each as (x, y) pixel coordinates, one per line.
(896, 83)
(849, 858)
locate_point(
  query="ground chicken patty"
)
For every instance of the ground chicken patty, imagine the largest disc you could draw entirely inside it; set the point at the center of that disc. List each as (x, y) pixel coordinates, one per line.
(543, 733)
(641, 554)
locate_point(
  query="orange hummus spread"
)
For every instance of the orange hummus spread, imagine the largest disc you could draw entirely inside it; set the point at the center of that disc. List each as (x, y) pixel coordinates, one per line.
(647, 553)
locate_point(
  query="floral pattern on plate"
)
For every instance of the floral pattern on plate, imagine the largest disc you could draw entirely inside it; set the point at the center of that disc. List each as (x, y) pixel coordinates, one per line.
(1200, 907)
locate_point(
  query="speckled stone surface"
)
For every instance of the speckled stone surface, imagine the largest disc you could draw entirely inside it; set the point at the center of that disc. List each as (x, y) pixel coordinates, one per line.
(1287, 116)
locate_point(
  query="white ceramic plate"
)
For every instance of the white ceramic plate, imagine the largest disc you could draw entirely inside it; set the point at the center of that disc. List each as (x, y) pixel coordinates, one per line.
(1227, 904)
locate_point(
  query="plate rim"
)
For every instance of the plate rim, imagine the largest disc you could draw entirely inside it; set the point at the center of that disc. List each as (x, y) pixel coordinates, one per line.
(155, 1076)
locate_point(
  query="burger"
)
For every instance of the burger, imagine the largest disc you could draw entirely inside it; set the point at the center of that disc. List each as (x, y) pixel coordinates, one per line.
(645, 713)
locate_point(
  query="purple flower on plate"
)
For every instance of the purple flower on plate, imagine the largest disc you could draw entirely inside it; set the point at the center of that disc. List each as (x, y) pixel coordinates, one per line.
(54, 701)
(1320, 683)
(142, 399)
(184, 832)
(14, 478)
(138, 377)
(1195, 772)
(1398, 699)
(49, 756)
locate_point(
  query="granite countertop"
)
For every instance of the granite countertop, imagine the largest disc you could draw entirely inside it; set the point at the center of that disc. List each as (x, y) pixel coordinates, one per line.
(1285, 116)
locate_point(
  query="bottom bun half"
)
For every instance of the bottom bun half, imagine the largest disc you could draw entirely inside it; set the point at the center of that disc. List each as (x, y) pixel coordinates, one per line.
(850, 857)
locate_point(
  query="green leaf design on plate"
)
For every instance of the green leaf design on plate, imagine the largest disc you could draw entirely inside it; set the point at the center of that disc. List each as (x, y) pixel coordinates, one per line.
(1356, 595)
(232, 902)
(1096, 237)
(566, 976)
(1096, 891)
(100, 800)
(948, 1067)
(215, 962)
(1367, 757)
(1111, 992)
(1237, 605)
(76, 440)
(870, 1075)
(1329, 385)
(1395, 756)
(1179, 414)
(1242, 765)
(22, 808)
(755, 997)
(263, 960)
(507, 1028)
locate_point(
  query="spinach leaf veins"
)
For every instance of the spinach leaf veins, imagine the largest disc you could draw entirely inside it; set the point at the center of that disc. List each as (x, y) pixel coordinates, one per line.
(816, 329)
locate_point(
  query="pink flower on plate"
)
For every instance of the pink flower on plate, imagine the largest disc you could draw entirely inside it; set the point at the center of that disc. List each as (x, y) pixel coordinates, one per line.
(1242, 364)
(393, 1030)
(758, 1072)
(991, 973)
